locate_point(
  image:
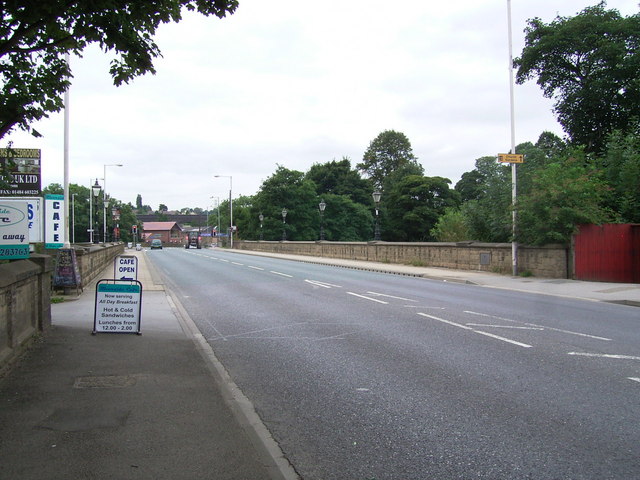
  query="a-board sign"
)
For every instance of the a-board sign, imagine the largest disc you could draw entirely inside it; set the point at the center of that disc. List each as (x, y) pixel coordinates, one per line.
(125, 267)
(67, 273)
(118, 306)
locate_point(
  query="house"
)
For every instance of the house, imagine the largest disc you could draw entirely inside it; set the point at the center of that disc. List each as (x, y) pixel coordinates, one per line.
(168, 232)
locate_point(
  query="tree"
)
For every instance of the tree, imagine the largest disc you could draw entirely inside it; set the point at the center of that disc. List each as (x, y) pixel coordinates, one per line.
(488, 206)
(413, 206)
(451, 227)
(387, 152)
(621, 169)
(564, 195)
(291, 190)
(590, 65)
(339, 179)
(35, 36)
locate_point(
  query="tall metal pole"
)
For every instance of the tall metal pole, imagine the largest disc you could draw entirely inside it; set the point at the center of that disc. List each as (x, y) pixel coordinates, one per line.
(66, 161)
(73, 217)
(230, 204)
(514, 186)
(90, 213)
(104, 198)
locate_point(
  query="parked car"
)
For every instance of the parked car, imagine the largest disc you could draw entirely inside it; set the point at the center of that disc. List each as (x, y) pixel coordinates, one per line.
(156, 243)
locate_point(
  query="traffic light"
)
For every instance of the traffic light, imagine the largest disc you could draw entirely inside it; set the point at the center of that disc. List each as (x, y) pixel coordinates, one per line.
(134, 229)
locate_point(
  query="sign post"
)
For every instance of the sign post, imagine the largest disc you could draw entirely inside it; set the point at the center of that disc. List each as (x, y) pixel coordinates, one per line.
(118, 307)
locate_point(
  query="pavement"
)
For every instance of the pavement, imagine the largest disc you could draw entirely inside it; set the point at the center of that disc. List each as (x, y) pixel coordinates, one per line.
(159, 405)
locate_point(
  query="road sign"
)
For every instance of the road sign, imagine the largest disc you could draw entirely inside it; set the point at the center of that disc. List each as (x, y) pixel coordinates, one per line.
(118, 306)
(510, 158)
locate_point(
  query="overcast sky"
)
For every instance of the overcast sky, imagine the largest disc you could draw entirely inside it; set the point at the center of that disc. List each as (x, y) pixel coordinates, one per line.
(294, 83)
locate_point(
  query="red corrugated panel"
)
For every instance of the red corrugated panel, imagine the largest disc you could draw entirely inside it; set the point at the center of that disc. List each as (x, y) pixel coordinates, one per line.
(608, 253)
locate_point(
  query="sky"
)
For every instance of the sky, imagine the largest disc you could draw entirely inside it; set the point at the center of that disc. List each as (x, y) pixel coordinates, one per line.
(294, 83)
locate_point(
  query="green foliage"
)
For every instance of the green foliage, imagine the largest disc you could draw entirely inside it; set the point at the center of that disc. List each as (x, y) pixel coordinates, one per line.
(35, 36)
(387, 152)
(564, 195)
(621, 165)
(413, 204)
(290, 190)
(590, 65)
(488, 210)
(451, 227)
(339, 179)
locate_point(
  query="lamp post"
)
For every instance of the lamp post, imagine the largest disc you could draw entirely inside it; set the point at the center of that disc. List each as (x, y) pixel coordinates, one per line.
(95, 190)
(217, 199)
(376, 198)
(230, 204)
(514, 181)
(261, 218)
(73, 218)
(284, 223)
(322, 206)
(104, 197)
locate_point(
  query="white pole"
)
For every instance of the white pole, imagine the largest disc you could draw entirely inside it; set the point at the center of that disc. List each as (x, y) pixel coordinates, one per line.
(514, 187)
(231, 206)
(66, 161)
(104, 205)
(90, 213)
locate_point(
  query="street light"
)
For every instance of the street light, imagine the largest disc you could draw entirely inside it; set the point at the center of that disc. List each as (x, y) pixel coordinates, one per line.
(284, 223)
(104, 198)
(376, 198)
(230, 204)
(95, 190)
(261, 218)
(322, 206)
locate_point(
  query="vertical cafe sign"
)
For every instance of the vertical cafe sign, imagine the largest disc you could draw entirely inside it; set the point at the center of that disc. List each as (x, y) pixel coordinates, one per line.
(20, 172)
(54, 234)
(14, 230)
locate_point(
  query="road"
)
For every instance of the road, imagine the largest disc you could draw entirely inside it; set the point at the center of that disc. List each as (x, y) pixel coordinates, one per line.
(362, 375)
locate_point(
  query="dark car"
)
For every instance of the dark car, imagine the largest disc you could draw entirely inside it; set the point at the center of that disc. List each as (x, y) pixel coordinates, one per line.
(156, 243)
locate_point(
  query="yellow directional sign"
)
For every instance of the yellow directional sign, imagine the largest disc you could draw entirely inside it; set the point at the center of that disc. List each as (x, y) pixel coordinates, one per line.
(510, 158)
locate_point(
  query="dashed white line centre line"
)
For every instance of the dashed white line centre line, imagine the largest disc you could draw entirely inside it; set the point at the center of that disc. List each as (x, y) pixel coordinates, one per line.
(281, 274)
(604, 355)
(256, 268)
(368, 298)
(391, 296)
(239, 264)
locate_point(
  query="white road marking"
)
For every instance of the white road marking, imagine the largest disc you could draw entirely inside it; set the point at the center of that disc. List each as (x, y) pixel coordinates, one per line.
(525, 345)
(475, 331)
(256, 268)
(391, 296)
(281, 274)
(445, 321)
(239, 264)
(503, 326)
(635, 379)
(604, 355)
(368, 298)
(539, 326)
(223, 260)
(318, 284)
